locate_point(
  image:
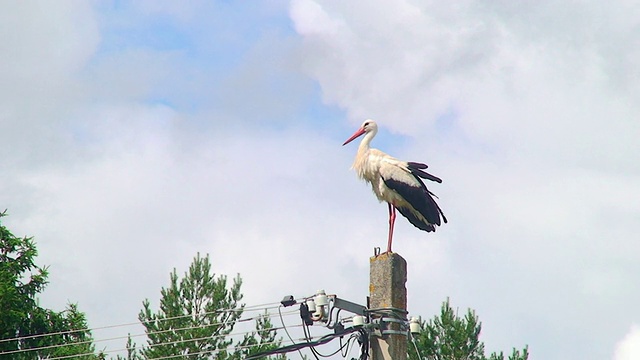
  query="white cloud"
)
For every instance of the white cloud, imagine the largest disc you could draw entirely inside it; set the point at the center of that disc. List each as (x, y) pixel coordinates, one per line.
(44, 47)
(121, 186)
(523, 113)
(125, 163)
(113, 226)
(45, 40)
(408, 65)
(629, 347)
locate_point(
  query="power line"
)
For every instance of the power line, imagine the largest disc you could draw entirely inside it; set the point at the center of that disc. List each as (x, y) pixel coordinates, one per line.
(177, 342)
(236, 348)
(287, 331)
(308, 343)
(147, 333)
(238, 309)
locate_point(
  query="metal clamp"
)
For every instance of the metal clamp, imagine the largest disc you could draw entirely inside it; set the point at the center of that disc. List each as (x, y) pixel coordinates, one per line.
(381, 326)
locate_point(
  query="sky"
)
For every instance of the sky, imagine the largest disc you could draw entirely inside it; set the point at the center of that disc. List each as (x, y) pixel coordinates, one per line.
(137, 134)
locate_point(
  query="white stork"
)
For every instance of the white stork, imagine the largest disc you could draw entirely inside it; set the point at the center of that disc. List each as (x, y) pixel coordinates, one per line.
(397, 182)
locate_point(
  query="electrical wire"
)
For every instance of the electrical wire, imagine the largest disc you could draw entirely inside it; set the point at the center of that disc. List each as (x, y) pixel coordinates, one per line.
(317, 353)
(236, 348)
(350, 342)
(205, 352)
(309, 340)
(152, 345)
(344, 353)
(341, 347)
(309, 343)
(337, 320)
(332, 323)
(132, 336)
(363, 339)
(146, 333)
(415, 345)
(287, 331)
(265, 306)
(175, 342)
(307, 336)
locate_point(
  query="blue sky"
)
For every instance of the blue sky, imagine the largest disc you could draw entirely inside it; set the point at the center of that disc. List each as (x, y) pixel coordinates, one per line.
(143, 132)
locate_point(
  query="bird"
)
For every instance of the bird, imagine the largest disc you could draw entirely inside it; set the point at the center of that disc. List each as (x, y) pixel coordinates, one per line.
(396, 182)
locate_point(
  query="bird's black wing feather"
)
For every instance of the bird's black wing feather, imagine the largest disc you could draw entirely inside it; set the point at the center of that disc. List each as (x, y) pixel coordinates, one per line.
(417, 165)
(420, 199)
(415, 170)
(415, 221)
(421, 174)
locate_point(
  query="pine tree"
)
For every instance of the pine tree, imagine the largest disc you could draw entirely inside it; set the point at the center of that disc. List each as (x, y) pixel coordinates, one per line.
(450, 337)
(262, 340)
(196, 317)
(21, 280)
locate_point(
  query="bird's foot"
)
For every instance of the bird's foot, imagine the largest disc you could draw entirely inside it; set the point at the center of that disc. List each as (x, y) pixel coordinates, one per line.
(376, 252)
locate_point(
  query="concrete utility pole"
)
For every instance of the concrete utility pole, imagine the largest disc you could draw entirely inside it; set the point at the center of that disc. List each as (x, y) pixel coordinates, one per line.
(387, 292)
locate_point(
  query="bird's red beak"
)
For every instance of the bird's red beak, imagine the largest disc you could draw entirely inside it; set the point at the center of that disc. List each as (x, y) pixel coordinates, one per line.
(354, 136)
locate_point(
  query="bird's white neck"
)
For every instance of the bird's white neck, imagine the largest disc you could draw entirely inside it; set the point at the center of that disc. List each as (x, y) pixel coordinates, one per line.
(360, 165)
(366, 141)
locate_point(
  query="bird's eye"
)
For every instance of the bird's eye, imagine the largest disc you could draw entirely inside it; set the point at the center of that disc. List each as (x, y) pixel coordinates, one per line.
(365, 124)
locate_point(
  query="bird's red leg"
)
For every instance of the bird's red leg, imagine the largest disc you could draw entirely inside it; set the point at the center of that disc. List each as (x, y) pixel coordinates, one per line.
(392, 220)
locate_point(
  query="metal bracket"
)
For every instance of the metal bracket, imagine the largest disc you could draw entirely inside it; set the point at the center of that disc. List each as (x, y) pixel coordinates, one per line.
(349, 306)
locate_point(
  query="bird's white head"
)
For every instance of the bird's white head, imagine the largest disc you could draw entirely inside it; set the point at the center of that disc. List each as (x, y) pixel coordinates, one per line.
(368, 127)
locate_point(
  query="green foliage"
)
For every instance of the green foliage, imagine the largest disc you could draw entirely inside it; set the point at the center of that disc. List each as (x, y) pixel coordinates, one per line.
(132, 351)
(21, 316)
(515, 355)
(450, 337)
(196, 317)
(262, 340)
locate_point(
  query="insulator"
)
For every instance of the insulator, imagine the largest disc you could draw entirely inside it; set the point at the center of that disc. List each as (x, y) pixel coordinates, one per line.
(358, 320)
(414, 326)
(321, 298)
(311, 305)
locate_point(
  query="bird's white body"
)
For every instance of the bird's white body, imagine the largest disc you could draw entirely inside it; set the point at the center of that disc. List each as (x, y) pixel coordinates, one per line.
(396, 182)
(371, 164)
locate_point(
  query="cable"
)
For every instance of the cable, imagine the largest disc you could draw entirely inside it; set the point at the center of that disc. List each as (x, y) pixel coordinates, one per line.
(415, 346)
(135, 335)
(317, 353)
(175, 342)
(331, 318)
(342, 346)
(213, 352)
(352, 339)
(209, 338)
(218, 350)
(147, 334)
(208, 352)
(323, 340)
(243, 308)
(310, 340)
(287, 331)
(333, 353)
(363, 339)
(307, 336)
